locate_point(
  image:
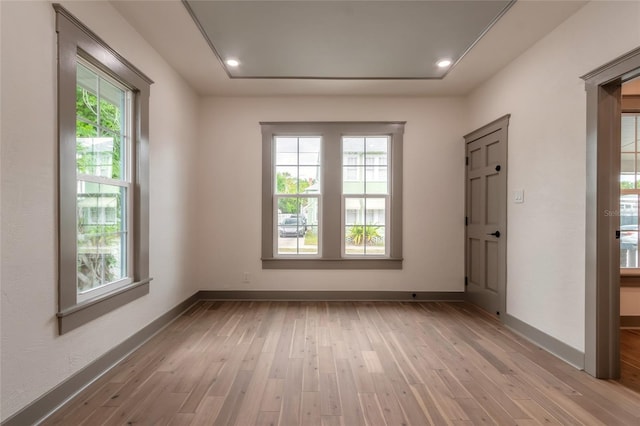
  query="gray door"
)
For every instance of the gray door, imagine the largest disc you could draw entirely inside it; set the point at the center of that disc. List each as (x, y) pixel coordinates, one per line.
(486, 216)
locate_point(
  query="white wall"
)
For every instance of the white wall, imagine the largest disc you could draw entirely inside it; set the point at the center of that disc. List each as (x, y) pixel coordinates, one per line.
(229, 198)
(34, 357)
(545, 96)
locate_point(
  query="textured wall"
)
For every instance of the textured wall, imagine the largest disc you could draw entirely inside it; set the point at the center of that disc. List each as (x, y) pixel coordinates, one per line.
(34, 357)
(543, 91)
(230, 187)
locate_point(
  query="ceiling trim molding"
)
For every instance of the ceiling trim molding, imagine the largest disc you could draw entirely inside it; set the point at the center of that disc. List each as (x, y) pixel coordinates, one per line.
(486, 30)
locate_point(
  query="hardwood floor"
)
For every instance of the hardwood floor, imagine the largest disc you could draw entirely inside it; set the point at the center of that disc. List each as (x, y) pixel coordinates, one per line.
(344, 363)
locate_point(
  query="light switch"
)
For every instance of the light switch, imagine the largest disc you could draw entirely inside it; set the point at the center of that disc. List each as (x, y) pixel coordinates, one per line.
(518, 196)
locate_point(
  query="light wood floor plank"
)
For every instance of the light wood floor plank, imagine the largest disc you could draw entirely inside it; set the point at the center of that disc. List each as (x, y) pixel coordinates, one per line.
(348, 364)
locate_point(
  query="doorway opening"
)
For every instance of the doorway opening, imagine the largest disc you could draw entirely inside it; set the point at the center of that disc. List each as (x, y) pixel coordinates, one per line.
(603, 217)
(630, 235)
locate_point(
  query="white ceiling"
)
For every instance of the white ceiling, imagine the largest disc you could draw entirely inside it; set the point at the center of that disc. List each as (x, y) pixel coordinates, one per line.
(185, 48)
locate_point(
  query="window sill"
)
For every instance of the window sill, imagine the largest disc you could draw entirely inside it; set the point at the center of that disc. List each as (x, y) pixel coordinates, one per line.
(373, 263)
(630, 278)
(82, 313)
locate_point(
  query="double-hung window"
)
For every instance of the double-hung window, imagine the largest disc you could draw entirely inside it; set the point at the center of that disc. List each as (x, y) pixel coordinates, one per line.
(103, 107)
(365, 198)
(104, 186)
(297, 194)
(332, 195)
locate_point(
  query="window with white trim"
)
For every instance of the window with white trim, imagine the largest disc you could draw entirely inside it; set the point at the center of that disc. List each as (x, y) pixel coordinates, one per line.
(103, 124)
(332, 195)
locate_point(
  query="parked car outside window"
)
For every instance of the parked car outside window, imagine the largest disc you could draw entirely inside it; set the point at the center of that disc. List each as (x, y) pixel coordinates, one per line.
(292, 227)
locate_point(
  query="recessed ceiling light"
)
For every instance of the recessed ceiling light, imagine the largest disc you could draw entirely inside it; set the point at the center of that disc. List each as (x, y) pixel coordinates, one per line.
(232, 62)
(443, 63)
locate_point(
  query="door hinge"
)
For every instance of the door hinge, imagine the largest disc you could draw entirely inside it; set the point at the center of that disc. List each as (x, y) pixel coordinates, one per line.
(466, 221)
(617, 235)
(466, 161)
(466, 281)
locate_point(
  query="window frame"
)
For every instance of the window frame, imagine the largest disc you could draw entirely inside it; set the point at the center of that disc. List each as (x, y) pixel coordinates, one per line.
(76, 40)
(331, 208)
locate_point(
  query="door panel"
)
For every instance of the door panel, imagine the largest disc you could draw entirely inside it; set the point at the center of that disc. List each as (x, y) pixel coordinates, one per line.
(486, 201)
(492, 265)
(494, 192)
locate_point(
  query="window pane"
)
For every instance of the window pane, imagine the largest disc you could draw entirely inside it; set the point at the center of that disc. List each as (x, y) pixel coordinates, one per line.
(377, 180)
(85, 130)
(375, 238)
(287, 206)
(375, 211)
(102, 234)
(353, 240)
(112, 101)
(286, 180)
(99, 156)
(100, 108)
(364, 162)
(86, 94)
(309, 211)
(377, 149)
(627, 171)
(365, 220)
(310, 241)
(309, 215)
(628, 129)
(629, 231)
(354, 211)
(350, 174)
(355, 186)
(309, 179)
(309, 151)
(286, 151)
(298, 225)
(365, 240)
(352, 147)
(113, 163)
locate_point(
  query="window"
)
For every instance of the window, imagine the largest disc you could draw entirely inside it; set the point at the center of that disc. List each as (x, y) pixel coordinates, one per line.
(629, 191)
(103, 176)
(104, 115)
(332, 195)
(365, 200)
(297, 194)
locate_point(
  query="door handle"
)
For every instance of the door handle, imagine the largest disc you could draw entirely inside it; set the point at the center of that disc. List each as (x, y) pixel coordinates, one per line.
(495, 234)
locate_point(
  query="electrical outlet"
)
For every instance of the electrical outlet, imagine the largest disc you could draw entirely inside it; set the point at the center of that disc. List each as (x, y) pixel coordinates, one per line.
(246, 277)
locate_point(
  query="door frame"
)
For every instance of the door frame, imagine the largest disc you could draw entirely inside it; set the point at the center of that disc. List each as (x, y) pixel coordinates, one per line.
(602, 250)
(499, 125)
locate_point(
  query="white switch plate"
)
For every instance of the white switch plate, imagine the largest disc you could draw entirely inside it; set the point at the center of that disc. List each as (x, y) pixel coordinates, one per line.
(518, 196)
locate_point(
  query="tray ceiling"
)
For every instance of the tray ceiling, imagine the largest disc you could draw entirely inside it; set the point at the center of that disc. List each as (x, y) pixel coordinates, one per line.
(343, 39)
(171, 31)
